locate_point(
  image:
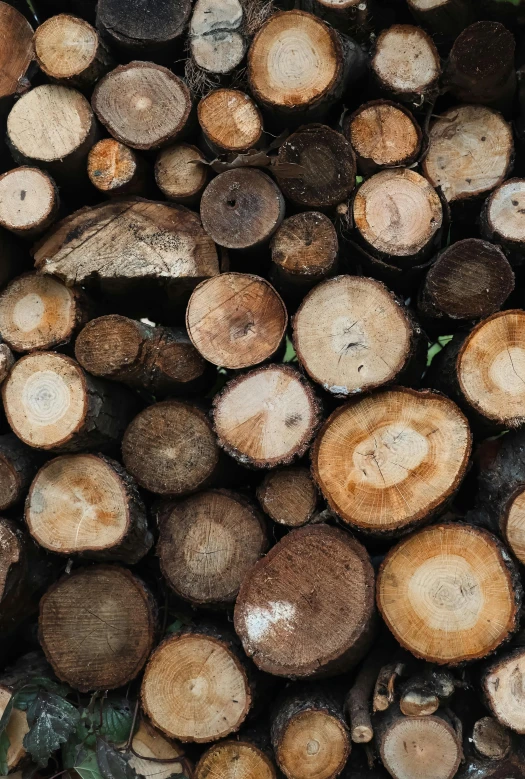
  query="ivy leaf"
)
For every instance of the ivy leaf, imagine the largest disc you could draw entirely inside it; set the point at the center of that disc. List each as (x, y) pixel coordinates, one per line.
(117, 720)
(4, 747)
(113, 764)
(51, 721)
(87, 766)
(27, 694)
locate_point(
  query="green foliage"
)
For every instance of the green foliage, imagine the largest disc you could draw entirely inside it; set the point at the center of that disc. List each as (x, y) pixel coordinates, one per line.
(436, 347)
(113, 764)
(51, 721)
(27, 694)
(289, 355)
(4, 747)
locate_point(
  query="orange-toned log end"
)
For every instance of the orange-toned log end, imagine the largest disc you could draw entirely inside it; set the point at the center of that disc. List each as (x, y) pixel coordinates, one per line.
(232, 759)
(288, 496)
(230, 120)
(113, 168)
(449, 593)
(503, 687)
(389, 461)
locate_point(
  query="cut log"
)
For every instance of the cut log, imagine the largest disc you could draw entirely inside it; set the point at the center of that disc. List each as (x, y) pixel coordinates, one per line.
(207, 545)
(501, 478)
(13, 570)
(315, 167)
(236, 320)
(372, 457)
(288, 612)
(423, 693)
(230, 121)
(39, 312)
(18, 465)
(503, 686)
(352, 335)
(383, 134)
(309, 734)
(241, 209)
(235, 758)
(130, 26)
(88, 505)
(142, 104)
(160, 360)
(197, 685)
(443, 18)
(491, 739)
(114, 169)
(51, 403)
(154, 757)
(170, 448)
(7, 361)
(96, 627)
(348, 16)
(503, 219)
(288, 496)
(181, 173)
(17, 52)
(470, 152)
(470, 280)
(15, 730)
(68, 50)
(449, 593)
(406, 64)
(512, 523)
(266, 417)
(28, 201)
(385, 687)
(217, 44)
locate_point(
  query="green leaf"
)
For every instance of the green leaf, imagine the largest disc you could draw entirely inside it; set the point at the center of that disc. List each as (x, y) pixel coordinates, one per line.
(51, 721)
(27, 694)
(358, 179)
(117, 720)
(87, 765)
(6, 716)
(113, 764)
(175, 626)
(289, 355)
(4, 746)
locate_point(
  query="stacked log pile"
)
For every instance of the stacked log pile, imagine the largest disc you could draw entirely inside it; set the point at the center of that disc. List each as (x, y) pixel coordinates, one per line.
(262, 368)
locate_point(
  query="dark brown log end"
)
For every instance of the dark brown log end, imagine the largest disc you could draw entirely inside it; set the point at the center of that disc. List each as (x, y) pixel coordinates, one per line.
(131, 25)
(491, 739)
(235, 758)
(288, 496)
(17, 50)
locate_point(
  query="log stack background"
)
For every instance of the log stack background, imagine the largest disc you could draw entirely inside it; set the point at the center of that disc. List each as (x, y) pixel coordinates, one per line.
(262, 366)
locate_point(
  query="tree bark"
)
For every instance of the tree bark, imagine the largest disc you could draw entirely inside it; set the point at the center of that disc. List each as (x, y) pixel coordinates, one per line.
(503, 688)
(359, 699)
(444, 19)
(288, 496)
(230, 121)
(7, 361)
(114, 169)
(17, 53)
(423, 694)
(181, 173)
(18, 465)
(503, 219)
(235, 757)
(352, 17)
(217, 43)
(406, 64)
(29, 201)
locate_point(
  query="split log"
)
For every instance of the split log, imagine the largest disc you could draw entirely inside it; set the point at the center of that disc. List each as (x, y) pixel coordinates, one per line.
(235, 758)
(197, 685)
(170, 448)
(503, 219)
(406, 64)
(142, 104)
(503, 687)
(372, 457)
(217, 44)
(423, 693)
(51, 403)
(39, 312)
(59, 146)
(85, 504)
(383, 134)
(160, 360)
(352, 335)
(399, 215)
(315, 167)
(69, 51)
(230, 121)
(294, 598)
(470, 152)
(18, 465)
(154, 757)
(114, 169)
(17, 52)
(181, 173)
(236, 320)
(29, 201)
(309, 734)
(442, 18)
(491, 739)
(15, 730)
(207, 545)
(449, 593)
(96, 627)
(266, 417)
(242, 208)
(288, 496)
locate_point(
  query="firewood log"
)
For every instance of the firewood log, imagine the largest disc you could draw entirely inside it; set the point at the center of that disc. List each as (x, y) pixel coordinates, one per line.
(181, 173)
(235, 757)
(503, 217)
(29, 201)
(115, 169)
(230, 121)
(18, 465)
(288, 496)
(444, 18)
(503, 688)
(217, 43)
(155, 757)
(17, 52)
(406, 64)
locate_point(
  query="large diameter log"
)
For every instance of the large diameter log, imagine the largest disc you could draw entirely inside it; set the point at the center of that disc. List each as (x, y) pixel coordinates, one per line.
(266, 417)
(503, 687)
(470, 152)
(88, 505)
(236, 320)
(217, 43)
(444, 18)
(170, 448)
(208, 543)
(114, 169)
(406, 64)
(392, 460)
(230, 121)
(18, 465)
(29, 201)
(288, 496)
(352, 335)
(235, 758)
(181, 173)
(96, 627)
(17, 51)
(449, 593)
(156, 757)
(503, 219)
(51, 403)
(288, 612)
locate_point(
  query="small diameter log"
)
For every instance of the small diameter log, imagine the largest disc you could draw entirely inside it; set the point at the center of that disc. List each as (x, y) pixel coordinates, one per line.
(385, 686)
(232, 759)
(470, 152)
(160, 360)
(242, 208)
(266, 417)
(17, 52)
(288, 496)
(480, 67)
(114, 169)
(29, 201)
(399, 216)
(181, 173)
(352, 335)
(230, 121)
(96, 627)
(130, 26)
(142, 104)
(315, 167)
(422, 694)
(18, 465)
(197, 685)
(236, 320)
(406, 64)
(503, 687)
(309, 735)
(15, 730)
(68, 50)
(154, 757)
(383, 134)
(392, 460)
(170, 448)
(51, 403)
(39, 312)
(449, 593)
(59, 146)
(491, 739)
(207, 545)
(88, 505)
(217, 43)
(503, 219)
(443, 18)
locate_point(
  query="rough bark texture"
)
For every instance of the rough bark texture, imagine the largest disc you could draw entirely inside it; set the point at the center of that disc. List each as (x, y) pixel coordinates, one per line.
(18, 465)
(444, 18)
